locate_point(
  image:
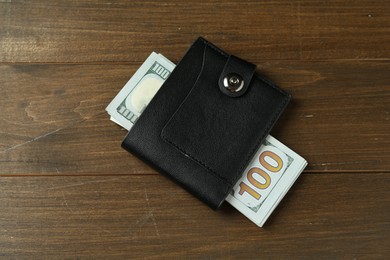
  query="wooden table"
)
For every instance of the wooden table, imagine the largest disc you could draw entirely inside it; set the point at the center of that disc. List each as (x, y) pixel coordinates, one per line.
(67, 189)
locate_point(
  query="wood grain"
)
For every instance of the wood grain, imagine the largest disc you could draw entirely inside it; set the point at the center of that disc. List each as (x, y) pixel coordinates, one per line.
(144, 216)
(53, 119)
(67, 189)
(90, 31)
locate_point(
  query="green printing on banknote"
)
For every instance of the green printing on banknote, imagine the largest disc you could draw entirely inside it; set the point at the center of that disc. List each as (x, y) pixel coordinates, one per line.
(152, 79)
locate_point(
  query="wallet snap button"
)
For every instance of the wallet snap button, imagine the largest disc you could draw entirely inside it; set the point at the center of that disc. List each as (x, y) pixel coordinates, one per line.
(233, 82)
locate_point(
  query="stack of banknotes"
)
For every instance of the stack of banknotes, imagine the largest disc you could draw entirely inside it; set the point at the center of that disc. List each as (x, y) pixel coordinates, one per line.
(267, 178)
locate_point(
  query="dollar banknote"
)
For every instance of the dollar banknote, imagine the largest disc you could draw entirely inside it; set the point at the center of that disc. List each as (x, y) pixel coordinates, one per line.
(129, 103)
(267, 178)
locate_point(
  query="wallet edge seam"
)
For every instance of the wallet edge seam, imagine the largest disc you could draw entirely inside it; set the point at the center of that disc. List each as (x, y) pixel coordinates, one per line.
(268, 126)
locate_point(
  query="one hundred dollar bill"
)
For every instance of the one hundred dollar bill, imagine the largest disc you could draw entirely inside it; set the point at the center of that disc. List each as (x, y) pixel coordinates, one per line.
(267, 178)
(133, 98)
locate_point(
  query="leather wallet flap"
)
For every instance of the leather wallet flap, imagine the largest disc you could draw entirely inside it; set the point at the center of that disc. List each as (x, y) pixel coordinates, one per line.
(219, 132)
(196, 133)
(236, 76)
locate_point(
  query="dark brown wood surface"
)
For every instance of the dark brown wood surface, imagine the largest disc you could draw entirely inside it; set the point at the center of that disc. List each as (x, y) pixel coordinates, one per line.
(67, 189)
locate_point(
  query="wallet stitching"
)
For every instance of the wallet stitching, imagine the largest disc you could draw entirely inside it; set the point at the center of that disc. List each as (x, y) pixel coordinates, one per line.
(173, 115)
(198, 161)
(214, 47)
(267, 128)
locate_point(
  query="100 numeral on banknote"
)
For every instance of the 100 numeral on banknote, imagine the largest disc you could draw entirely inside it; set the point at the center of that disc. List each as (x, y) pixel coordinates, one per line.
(267, 178)
(265, 170)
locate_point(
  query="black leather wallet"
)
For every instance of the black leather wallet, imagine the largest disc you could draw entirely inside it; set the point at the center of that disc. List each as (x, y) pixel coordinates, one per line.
(206, 121)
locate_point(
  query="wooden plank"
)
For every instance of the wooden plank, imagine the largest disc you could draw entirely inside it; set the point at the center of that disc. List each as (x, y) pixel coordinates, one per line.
(90, 31)
(69, 191)
(332, 215)
(53, 119)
